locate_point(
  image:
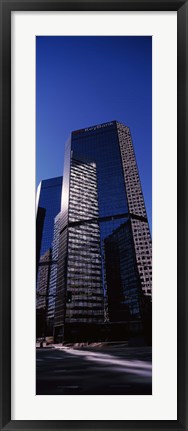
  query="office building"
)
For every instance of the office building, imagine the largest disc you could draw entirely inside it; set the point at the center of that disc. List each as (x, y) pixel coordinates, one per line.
(102, 204)
(42, 293)
(39, 230)
(48, 206)
(49, 197)
(53, 274)
(136, 208)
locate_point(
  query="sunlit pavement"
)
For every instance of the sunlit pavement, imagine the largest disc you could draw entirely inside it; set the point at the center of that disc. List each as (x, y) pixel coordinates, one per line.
(117, 370)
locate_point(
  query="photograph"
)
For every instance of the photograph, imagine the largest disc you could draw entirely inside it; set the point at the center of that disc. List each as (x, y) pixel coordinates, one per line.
(93, 215)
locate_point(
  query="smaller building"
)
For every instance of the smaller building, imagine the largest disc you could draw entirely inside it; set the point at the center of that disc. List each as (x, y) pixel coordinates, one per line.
(53, 276)
(39, 230)
(48, 206)
(49, 197)
(42, 293)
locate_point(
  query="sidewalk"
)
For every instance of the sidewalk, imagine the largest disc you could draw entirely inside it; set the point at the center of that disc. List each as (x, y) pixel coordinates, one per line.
(44, 345)
(96, 345)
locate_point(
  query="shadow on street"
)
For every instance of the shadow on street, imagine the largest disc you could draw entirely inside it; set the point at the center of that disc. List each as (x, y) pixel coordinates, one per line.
(90, 371)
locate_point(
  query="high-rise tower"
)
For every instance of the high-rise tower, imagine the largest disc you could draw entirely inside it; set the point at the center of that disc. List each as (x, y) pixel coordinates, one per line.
(48, 206)
(102, 211)
(49, 197)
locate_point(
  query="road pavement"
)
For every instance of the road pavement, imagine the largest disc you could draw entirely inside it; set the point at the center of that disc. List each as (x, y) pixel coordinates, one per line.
(116, 370)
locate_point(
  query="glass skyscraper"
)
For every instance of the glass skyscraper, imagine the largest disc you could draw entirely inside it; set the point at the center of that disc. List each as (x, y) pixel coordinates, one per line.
(48, 206)
(49, 197)
(104, 238)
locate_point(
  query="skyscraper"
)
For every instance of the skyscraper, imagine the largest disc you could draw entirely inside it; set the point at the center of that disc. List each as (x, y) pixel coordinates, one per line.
(102, 211)
(48, 206)
(49, 197)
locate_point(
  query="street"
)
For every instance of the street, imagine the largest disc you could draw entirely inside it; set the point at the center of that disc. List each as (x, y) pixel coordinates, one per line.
(116, 370)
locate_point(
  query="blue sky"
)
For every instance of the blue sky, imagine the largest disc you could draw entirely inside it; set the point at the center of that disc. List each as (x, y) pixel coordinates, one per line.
(83, 81)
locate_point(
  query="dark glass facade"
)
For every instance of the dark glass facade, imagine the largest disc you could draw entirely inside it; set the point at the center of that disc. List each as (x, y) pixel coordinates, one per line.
(42, 293)
(99, 249)
(49, 197)
(39, 230)
(122, 277)
(101, 146)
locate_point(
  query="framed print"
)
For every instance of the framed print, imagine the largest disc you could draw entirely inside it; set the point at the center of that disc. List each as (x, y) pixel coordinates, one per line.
(93, 156)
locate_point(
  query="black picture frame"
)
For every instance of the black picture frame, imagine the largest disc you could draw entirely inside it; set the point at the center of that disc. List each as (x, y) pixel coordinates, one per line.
(6, 7)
